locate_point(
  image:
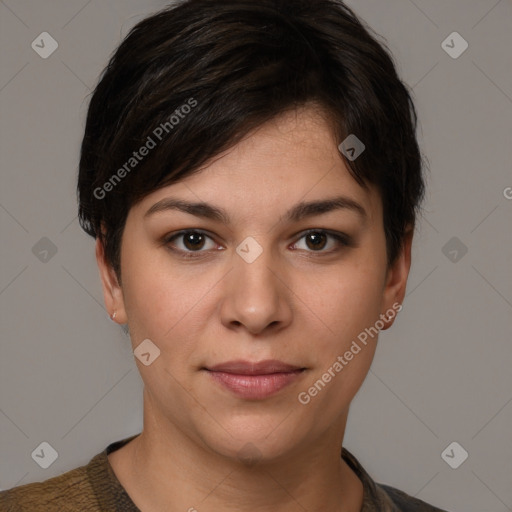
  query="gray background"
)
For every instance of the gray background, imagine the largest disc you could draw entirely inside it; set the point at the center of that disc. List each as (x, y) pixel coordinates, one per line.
(441, 374)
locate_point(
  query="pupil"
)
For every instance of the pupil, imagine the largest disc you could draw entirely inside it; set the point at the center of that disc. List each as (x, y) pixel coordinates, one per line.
(189, 240)
(316, 239)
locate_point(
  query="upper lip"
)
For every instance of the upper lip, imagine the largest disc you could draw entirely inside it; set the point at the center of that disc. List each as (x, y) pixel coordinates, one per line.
(267, 367)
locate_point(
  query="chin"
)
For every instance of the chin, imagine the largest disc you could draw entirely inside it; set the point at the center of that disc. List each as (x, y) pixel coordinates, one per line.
(251, 440)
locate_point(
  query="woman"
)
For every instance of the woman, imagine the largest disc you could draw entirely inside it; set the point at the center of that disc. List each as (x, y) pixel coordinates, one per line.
(251, 175)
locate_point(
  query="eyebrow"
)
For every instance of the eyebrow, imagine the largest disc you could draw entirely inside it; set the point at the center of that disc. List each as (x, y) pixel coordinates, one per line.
(296, 213)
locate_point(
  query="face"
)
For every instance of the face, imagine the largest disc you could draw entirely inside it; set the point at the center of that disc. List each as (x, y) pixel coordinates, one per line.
(257, 274)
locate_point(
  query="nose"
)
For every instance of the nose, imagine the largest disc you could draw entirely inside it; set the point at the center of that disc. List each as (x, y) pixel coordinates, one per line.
(256, 296)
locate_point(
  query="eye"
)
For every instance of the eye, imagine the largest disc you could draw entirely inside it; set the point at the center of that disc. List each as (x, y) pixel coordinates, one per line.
(192, 241)
(317, 239)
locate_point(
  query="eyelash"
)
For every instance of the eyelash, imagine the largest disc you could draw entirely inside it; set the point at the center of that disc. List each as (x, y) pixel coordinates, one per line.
(342, 239)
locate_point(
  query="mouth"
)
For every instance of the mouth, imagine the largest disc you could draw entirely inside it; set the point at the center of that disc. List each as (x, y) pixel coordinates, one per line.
(254, 380)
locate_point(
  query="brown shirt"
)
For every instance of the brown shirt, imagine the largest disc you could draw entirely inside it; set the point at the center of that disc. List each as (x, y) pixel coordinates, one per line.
(95, 488)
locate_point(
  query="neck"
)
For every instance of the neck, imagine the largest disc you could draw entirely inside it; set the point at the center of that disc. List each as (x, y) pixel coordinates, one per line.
(166, 468)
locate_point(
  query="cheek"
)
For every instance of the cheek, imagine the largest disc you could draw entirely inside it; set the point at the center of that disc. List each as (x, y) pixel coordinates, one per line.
(344, 300)
(164, 302)
(340, 305)
(344, 306)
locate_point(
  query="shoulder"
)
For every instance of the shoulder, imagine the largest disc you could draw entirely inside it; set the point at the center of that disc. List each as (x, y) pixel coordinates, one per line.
(70, 491)
(405, 503)
(384, 498)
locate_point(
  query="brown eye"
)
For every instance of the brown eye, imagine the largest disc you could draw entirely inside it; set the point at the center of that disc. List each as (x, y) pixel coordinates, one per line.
(193, 241)
(189, 242)
(324, 242)
(316, 240)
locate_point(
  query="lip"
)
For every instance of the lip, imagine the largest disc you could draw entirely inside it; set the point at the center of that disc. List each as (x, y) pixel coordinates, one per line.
(266, 367)
(254, 380)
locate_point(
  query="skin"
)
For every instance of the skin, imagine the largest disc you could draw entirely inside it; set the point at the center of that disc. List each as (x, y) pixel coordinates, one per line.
(296, 303)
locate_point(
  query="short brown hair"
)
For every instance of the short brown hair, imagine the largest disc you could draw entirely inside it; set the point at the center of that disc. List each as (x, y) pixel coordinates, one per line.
(208, 72)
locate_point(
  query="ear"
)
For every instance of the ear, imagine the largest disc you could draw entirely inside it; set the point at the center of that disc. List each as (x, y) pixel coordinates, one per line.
(112, 291)
(396, 281)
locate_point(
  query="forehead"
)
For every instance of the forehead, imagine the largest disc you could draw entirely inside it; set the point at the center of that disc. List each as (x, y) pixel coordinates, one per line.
(294, 157)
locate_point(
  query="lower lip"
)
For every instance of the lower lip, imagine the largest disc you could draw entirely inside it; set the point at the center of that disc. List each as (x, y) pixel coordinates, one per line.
(255, 387)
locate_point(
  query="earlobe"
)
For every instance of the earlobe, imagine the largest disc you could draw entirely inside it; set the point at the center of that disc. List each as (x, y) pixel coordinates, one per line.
(396, 281)
(112, 292)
